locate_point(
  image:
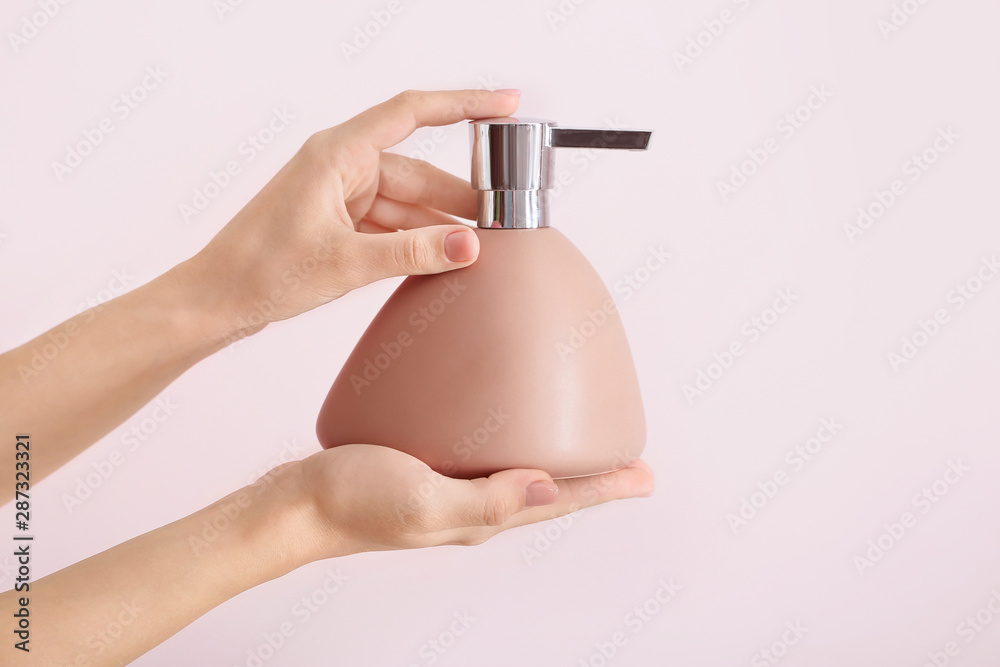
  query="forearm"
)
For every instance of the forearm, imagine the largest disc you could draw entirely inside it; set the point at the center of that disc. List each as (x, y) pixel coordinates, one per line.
(115, 606)
(75, 383)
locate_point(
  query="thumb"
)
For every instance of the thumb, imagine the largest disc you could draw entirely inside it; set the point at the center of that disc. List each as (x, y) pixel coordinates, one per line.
(493, 500)
(418, 251)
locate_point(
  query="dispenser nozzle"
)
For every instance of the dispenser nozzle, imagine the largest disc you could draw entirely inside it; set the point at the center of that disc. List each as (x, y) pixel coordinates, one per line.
(628, 140)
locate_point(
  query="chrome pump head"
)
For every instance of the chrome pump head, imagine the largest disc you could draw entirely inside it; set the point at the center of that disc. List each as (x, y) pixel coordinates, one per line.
(512, 165)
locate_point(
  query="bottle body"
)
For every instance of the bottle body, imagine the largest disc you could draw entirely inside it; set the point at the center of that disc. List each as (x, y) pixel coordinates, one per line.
(517, 361)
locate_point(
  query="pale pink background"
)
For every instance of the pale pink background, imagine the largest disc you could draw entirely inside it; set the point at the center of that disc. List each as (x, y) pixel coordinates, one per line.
(826, 357)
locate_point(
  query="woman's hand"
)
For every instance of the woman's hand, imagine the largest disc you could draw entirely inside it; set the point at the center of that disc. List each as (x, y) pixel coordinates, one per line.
(337, 502)
(298, 244)
(368, 498)
(311, 234)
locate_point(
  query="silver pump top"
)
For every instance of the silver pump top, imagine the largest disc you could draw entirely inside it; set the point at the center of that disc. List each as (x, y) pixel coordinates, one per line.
(512, 165)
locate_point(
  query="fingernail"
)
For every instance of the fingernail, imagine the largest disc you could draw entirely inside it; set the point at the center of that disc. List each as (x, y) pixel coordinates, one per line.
(508, 91)
(540, 493)
(460, 246)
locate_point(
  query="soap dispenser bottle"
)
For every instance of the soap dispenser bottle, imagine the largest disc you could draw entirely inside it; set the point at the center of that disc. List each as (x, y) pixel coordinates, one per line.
(519, 360)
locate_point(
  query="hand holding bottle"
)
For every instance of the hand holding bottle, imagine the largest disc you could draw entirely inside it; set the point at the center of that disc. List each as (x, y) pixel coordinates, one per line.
(300, 243)
(368, 498)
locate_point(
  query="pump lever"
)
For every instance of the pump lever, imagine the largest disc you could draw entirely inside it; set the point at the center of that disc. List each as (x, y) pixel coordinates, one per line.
(569, 137)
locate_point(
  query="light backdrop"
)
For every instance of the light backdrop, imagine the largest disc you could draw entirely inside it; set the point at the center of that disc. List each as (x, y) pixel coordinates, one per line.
(823, 179)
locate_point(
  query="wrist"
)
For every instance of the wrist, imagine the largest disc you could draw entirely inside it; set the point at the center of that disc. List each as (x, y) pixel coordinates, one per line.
(213, 302)
(259, 533)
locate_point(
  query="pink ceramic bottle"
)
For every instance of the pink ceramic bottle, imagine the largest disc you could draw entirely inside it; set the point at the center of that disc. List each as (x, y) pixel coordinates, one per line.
(517, 361)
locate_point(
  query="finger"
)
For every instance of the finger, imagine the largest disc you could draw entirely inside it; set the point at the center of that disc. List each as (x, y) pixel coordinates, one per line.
(418, 182)
(492, 501)
(412, 252)
(392, 121)
(393, 214)
(633, 481)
